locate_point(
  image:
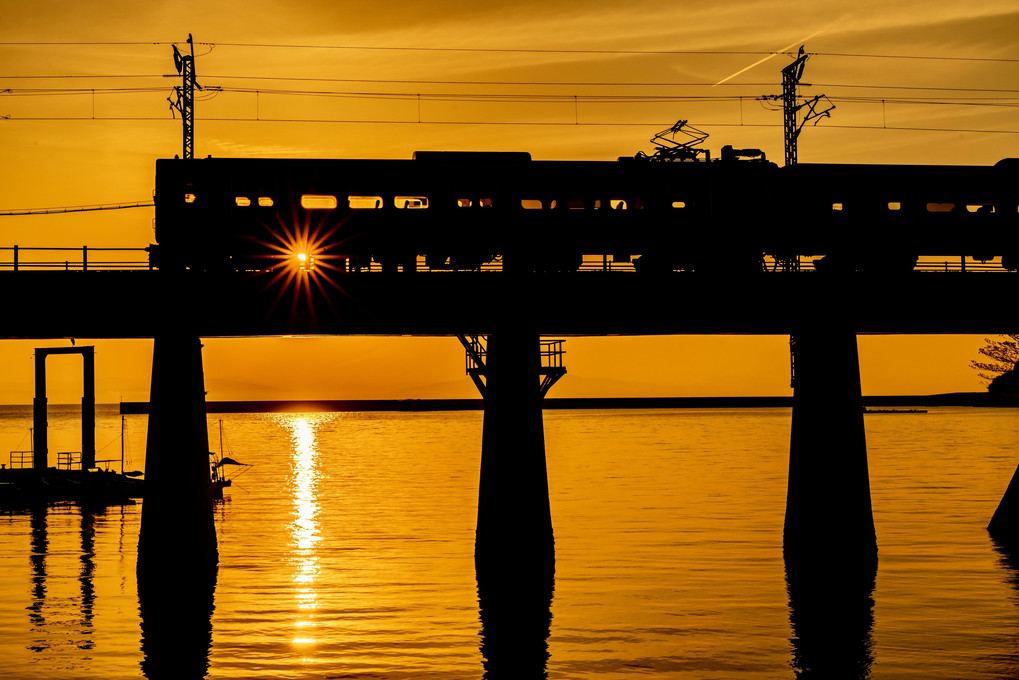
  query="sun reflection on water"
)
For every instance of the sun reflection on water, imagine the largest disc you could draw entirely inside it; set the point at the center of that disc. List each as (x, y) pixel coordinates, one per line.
(304, 530)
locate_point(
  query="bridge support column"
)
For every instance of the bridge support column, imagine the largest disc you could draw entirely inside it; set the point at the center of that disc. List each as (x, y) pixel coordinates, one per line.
(514, 549)
(177, 538)
(514, 519)
(40, 425)
(828, 509)
(1004, 524)
(88, 409)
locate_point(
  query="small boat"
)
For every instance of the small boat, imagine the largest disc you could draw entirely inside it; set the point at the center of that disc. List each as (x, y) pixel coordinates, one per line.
(22, 485)
(219, 479)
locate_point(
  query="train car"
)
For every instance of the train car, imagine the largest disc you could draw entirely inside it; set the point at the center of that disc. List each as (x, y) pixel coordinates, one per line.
(886, 217)
(465, 211)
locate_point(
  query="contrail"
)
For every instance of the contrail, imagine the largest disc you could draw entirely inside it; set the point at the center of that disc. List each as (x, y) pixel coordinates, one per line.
(780, 51)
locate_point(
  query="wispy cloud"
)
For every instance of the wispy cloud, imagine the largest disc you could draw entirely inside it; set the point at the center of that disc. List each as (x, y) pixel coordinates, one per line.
(781, 50)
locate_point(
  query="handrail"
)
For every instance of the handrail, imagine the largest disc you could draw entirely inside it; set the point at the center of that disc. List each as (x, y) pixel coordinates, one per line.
(66, 460)
(603, 262)
(17, 263)
(22, 459)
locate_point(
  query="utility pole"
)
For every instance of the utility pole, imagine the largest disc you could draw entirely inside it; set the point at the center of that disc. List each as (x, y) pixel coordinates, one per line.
(184, 101)
(791, 75)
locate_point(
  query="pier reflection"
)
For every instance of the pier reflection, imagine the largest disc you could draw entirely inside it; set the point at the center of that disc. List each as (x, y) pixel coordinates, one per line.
(1007, 665)
(40, 549)
(515, 602)
(831, 609)
(65, 629)
(176, 621)
(86, 575)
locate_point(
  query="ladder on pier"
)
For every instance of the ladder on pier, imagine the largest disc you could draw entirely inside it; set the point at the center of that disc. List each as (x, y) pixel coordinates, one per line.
(550, 367)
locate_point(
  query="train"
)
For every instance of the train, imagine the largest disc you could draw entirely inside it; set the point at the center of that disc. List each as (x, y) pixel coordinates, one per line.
(461, 211)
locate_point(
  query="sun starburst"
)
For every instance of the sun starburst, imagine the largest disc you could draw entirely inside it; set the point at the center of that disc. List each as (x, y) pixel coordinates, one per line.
(304, 256)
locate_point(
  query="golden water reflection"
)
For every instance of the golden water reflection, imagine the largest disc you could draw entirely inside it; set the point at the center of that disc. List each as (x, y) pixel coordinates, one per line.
(304, 532)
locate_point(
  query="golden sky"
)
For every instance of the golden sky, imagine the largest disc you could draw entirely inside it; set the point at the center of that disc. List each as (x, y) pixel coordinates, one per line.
(620, 52)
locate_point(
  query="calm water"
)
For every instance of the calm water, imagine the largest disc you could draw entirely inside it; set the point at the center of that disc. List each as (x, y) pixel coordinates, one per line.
(346, 551)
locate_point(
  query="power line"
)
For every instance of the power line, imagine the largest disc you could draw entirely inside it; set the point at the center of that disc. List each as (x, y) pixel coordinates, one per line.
(27, 92)
(78, 208)
(912, 87)
(913, 56)
(510, 50)
(63, 91)
(366, 121)
(559, 83)
(89, 75)
(83, 43)
(387, 81)
(518, 98)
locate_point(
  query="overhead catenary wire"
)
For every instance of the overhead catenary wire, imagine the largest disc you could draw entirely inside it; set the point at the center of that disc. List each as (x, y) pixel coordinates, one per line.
(529, 123)
(500, 50)
(556, 83)
(531, 97)
(124, 205)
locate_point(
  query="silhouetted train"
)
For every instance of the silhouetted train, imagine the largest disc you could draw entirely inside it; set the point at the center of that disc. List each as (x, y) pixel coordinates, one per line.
(462, 211)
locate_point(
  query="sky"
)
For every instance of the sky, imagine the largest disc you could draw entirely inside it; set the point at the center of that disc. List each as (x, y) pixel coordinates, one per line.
(573, 83)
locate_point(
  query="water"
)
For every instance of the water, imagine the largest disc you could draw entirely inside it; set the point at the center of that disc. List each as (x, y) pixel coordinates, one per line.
(346, 551)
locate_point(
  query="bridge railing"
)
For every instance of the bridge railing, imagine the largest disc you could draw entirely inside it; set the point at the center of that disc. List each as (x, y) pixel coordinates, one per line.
(958, 264)
(84, 258)
(22, 459)
(69, 460)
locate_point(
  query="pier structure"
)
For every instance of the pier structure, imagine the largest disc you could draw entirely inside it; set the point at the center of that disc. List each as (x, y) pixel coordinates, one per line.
(828, 505)
(829, 519)
(40, 431)
(177, 538)
(513, 369)
(1004, 524)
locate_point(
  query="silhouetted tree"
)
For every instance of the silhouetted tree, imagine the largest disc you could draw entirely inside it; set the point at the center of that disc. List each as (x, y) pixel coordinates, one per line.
(1003, 353)
(1006, 384)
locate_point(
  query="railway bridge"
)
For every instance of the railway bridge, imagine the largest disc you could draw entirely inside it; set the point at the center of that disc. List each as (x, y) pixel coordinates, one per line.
(500, 247)
(828, 507)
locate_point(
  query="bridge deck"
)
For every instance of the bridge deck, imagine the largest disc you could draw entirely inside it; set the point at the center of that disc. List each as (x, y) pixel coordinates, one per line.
(139, 304)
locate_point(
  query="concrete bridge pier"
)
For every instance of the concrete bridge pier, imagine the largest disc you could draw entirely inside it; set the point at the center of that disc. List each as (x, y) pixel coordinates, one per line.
(177, 537)
(828, 517)
(1004, 524)
(514, 519)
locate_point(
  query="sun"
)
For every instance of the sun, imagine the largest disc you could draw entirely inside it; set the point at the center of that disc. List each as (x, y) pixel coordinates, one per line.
(303, 255)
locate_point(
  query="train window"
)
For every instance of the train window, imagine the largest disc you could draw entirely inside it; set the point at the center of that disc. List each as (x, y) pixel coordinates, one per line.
(242, 201)
(530, 204)
(463, 202)
(411, 202)
(940, 207)
(264, 202)
(552, 204)
(679, 204)
(895, 205)
(318, 202)
(189, 198)
(364, 202)
(979, 207)
(485, 202)
(597, 204)
(836, 207)
(617, 204)
(575, 205)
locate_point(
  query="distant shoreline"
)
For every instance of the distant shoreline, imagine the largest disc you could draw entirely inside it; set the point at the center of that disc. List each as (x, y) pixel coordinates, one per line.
(982, 399)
